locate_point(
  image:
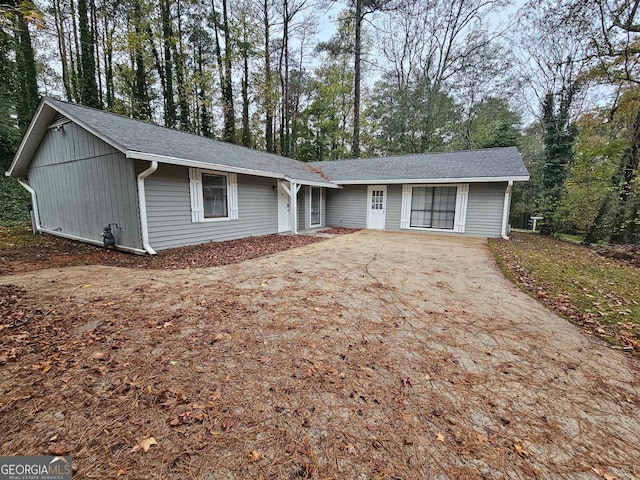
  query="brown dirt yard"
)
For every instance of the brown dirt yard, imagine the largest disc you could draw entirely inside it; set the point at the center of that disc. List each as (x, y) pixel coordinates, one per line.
(369, 355)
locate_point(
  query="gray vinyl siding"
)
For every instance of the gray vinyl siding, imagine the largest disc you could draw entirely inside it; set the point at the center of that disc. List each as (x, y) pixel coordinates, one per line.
(169, 210)
(347, 207)
(394, 207)
(484, 209)
(82, 184)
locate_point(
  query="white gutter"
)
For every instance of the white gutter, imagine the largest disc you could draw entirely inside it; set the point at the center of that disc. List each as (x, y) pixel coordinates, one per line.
(143, 207)
(505, 210)
(34, 205)
(90, 241)
(152, 157)
(452, 180)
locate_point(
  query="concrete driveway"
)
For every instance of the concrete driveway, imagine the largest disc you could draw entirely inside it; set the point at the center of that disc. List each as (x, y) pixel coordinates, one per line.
(410, 356)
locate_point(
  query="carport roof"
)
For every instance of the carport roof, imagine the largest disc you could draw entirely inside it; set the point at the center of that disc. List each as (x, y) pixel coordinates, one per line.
(489, 164)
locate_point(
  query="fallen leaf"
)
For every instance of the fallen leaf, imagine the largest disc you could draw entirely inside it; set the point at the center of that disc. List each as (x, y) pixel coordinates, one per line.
(145, 443)
(603, 473)
(58, 450)
(520, 451)
(228, 423)
(255, 455)
(120, 472)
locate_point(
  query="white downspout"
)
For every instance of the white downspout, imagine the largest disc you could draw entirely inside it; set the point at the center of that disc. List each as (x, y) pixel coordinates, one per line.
(294, 207)
(505, 210)
(34, 205)
(143, 207)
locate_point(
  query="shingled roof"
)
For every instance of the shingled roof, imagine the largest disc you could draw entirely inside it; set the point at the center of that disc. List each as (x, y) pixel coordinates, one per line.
(490, 164)
(146, 140)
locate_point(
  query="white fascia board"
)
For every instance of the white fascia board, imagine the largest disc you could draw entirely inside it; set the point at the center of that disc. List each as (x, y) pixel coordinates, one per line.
(152, 157)
(313, 183)
(37, 122)
(89, 129)
(523, 178)
(25, 140)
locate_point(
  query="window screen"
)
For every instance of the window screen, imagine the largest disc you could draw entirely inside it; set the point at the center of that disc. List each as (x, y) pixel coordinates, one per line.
(433, 207)
(214, 193)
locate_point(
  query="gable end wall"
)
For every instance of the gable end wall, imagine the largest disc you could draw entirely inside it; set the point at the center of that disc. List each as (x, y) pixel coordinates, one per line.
(82, 184)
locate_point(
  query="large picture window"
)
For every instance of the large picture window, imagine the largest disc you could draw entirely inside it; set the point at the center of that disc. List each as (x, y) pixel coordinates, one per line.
(433, 207)
(214, 196)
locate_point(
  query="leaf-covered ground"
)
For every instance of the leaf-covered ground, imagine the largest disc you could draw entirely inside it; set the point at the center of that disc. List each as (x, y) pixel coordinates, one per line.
(21, 251)
(375, 355)
(600, 294)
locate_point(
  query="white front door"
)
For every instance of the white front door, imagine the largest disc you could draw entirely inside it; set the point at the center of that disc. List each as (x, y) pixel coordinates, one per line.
(284, 207)
(376, 206)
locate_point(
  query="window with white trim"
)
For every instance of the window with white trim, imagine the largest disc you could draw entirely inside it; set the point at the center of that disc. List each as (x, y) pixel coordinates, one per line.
(433, 207)
(214, 195)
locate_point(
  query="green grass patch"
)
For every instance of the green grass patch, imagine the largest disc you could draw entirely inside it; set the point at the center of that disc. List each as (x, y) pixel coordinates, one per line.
(570, 238)
(600, 294)
(12, 238)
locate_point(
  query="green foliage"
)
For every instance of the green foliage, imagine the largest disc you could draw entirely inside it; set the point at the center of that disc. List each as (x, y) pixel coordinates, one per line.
(559, 138)
(598, 149)
(323, 132)
(491, 123)
(89, 90)
(410, 118)
(524, 200)
(14, 203)
(9, 133)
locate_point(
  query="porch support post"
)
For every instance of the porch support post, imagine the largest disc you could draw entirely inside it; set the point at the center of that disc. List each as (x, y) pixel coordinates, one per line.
(295, 188)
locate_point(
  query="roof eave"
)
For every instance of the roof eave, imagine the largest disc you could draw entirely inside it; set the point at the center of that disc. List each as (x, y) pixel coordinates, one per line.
(17, 169)
(134, 155)
(394, 181)
(37, 130)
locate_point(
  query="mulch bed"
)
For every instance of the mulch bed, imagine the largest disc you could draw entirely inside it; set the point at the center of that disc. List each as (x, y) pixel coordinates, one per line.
(59, 252)
(629, 254)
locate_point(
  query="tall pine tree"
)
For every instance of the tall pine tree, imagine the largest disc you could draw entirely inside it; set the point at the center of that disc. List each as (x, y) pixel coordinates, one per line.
(89, 89)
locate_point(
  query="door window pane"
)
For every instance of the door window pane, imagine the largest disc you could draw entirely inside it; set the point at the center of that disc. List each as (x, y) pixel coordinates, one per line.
(315, 205)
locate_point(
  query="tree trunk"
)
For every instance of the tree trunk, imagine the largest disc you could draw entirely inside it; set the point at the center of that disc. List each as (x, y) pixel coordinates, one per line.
(627, 215)
(167, 33)
(285, 133)
(355, 143)
(89, 90)
(246, 131)
(178, 55)
(96, 52)
(268, 128)
(58, 16)
(26, 79)
(224, 69)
